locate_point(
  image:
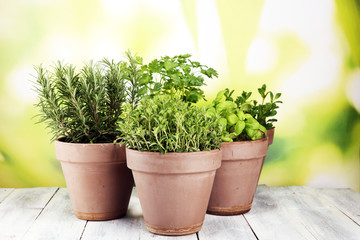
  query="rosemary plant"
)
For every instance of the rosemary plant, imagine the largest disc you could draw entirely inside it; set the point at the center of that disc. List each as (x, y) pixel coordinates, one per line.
(81, 106)
(137, 78)
(166, 123)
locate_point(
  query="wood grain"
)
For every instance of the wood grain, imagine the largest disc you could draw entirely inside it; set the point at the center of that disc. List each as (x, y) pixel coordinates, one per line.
(289, 212)
(344, 199)
(57, 220)
(269, 219)
(20, 209)
(301, 213)
(5, 192)
(130, 227)
(225, 227)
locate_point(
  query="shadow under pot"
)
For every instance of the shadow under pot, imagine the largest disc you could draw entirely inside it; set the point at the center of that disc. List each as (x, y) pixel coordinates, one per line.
(97, 178)
(236, 180)
(174, 188)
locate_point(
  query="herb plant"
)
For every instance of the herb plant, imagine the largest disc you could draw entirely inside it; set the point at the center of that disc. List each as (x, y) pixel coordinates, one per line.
(166, 123)
(137, 78)
(81, 106)
(266, 109)
(178, 76)
(262, 111)
(235, 123)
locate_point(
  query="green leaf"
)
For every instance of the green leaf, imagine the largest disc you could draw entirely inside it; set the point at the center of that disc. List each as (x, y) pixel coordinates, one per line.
(210, 72)
(232, 135)
(241, 115)
(211, 111)
(232, 119)
(239, 127)
(169, 65)
(220, 96)
(142, 91)
(246, 107)
(263, 129)
(193, 97)
(272, 113)
(226, 105)
(227, 139)
(222, 122)
(157, 86)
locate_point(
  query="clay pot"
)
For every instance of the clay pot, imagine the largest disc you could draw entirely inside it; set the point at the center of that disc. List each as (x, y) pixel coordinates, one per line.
(174, 188)
(270, 135)
(237, 178)
(97, 178)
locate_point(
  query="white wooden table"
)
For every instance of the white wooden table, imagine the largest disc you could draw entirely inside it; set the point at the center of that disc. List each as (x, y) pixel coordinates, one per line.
(291, 212)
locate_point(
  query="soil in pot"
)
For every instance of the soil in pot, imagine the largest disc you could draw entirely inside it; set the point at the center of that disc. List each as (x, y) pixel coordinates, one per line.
(97, 178)
(237, 178)
(174, 188)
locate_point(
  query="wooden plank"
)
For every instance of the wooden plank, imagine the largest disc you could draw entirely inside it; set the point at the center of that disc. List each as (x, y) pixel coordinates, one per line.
(344, 199)
(123, 228)
(130, 227)
(57, 220)
(19, 210)
(313, 213)
(4, 192)
(146, 235)
(271, 220)
(225, 227)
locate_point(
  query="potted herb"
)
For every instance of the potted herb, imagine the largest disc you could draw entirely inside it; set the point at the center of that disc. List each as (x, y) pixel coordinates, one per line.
(173, 150)
(178, 75)
(81, 109)
(244, 149)
(262, 111)
(266, 110)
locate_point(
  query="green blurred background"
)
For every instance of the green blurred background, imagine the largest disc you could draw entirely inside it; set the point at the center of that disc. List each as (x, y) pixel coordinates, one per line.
(308, 50)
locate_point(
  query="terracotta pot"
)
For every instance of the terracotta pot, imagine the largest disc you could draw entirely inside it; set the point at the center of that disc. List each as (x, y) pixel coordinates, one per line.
(174, 188)
(270, 135)
(97, 178)
(236, 180)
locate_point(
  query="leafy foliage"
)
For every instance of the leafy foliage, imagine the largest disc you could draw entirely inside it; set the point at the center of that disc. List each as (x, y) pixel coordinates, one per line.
(266, 109)
(261, 112)
(137, 78)
(236, 125)
(81, 106)
(178, 76)
(166, 123)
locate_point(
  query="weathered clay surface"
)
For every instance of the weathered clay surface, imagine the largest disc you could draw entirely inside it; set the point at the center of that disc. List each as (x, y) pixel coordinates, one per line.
(236, 180)
(97, 178)
(270, 135)
(174, 188)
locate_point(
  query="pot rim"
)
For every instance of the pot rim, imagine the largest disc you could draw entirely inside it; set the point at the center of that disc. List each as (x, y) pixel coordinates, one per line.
(264, 139)
(173, 153)
(89, 152)
(174, 163)
(59, 140)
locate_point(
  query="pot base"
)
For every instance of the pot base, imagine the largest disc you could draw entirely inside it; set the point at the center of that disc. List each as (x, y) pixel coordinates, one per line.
(174, 231)
(228, 211)
(99, 216)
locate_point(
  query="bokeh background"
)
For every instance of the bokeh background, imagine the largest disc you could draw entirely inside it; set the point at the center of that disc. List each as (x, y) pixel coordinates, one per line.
(308, 50)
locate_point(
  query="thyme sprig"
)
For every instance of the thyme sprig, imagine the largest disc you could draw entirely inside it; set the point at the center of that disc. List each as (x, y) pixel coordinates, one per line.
(166, 123)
